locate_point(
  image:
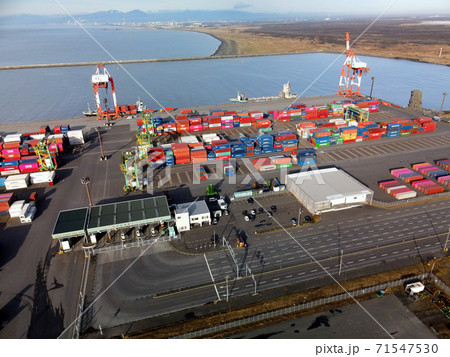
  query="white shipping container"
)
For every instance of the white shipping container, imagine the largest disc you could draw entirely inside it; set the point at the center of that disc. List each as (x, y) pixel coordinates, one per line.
(405, 195)
(267, 168)
(245, 124)
(394, 188)
(15, 185)
(12, 138)
(56, 136)
(76, 137)
(189, 139)
(9, 173)
(37, 136)
(42, 177)
(15, 182)
(16, 208)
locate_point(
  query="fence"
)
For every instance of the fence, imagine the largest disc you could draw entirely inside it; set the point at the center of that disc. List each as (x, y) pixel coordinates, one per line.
(260, 195)
(411, 200)
(304, 306)
(438, 282)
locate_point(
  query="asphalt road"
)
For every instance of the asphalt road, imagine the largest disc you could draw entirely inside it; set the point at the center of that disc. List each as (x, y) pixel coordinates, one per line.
(275, 259)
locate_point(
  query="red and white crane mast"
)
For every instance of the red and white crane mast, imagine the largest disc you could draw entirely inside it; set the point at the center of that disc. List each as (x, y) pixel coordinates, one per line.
(352, 70)
(101, 79)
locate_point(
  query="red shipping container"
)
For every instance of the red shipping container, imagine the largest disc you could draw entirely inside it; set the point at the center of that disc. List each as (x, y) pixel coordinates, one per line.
(12, 145)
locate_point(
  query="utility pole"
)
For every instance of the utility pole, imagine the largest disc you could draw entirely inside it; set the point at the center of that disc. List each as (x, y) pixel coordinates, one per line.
(226, 279)
(103, 157)
(371, 88)
(299, 216)
(340, 263)
(443, 100)
(85, 181)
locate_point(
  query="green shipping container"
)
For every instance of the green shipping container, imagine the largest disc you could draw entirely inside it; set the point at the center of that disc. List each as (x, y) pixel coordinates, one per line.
(405, 133)
(323, 144)
(265, 130)
(219, 154)
(282, 166)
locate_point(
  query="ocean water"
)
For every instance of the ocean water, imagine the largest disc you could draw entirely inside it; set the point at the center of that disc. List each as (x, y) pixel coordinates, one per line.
(52, 93)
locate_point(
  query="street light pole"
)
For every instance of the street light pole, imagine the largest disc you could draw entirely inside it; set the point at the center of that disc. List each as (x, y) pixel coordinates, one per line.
(299, 216)
(443, 100)
(226, 278)
(103, 157)
(85, 181)
(371, 88)
(340, 263)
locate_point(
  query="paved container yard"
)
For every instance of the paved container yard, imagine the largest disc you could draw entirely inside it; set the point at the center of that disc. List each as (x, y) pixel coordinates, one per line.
(191, 271)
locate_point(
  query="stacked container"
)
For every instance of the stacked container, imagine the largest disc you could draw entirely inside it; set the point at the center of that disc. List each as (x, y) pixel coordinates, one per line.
(265, 143)
(6, 200)
(427, 186)
(397, 190)
(181, 152)
(15, 182)
(406, 175)
(221, 149)
(238, 149)
(306, 157)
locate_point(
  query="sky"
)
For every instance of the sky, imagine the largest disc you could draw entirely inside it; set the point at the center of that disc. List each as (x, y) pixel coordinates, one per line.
(364, 7)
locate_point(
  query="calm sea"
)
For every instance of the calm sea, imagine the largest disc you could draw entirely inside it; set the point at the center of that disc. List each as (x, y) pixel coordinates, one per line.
(52, 93)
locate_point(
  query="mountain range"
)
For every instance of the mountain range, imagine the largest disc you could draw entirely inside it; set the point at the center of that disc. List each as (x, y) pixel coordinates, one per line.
(138, 16)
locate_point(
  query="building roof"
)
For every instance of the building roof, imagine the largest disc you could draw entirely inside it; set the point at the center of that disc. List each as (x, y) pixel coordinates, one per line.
(328, 184)
(128, 214)
(193, 208)
(70, 223)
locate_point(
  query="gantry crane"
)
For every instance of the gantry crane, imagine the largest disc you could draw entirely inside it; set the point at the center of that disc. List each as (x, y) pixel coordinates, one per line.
(42, 150)
(352, 70)
(145, 134)
(100, 80)
(129, 168)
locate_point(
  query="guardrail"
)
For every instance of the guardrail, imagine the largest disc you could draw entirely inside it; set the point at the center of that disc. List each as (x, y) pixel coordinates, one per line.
(304, 306)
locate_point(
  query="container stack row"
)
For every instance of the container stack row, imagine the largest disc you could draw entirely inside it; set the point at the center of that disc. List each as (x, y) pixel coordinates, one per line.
(339, 131)
(444, 180)
(397, 190)
(193, 122)
(406, 175)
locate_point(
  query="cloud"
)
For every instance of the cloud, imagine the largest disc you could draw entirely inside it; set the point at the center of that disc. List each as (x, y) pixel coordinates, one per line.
(241, 5)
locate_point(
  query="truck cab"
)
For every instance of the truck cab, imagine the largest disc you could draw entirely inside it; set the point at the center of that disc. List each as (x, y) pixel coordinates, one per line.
(222, 204)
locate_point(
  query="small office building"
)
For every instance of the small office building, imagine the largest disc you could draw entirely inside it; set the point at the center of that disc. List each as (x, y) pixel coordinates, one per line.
(191, 214)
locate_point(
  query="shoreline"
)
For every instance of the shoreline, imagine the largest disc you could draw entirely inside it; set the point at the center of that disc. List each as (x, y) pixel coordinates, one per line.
(220, 53)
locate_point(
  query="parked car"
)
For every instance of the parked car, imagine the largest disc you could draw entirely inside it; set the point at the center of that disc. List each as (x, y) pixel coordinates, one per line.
(269, 214)
(293, 221)
(123, 236)
(308, 219)
(154, 230)
(273, 208)
(214, 238)
(250, 200)
(253, 211)
(222, 204)
(226, 212)
(261, 210)
(214, 220)
(252, 217)
(138, 233)
(247, 218)
(244, 212)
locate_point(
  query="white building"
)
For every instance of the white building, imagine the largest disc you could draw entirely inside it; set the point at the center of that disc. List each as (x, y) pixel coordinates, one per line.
(327, 190)
(190, 214)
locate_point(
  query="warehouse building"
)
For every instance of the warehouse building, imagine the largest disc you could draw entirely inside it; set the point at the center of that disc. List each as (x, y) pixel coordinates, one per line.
(191, 214)
(327, 190)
